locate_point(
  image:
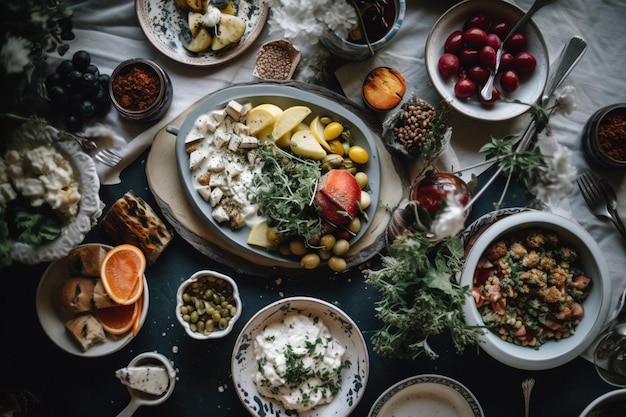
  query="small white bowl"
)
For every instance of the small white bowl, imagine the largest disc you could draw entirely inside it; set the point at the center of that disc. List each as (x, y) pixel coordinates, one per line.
(552, 353)
(530, 88)
(236, 301)
(341, 326)
(612, 398)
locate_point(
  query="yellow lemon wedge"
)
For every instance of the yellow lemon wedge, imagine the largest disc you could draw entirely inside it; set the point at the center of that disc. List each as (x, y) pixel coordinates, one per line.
(317, 128)
(289, 120)
(258, 235)
(262, 116)
(304, 144)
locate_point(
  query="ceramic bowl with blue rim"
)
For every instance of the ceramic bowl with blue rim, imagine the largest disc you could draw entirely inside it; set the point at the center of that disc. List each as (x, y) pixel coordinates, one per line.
(343, 48)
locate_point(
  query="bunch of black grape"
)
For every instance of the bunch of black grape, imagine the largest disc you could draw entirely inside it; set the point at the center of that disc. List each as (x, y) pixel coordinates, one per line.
(78, 91)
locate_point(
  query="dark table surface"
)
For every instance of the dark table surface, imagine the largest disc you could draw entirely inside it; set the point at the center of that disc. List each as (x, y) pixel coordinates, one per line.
(75, 386)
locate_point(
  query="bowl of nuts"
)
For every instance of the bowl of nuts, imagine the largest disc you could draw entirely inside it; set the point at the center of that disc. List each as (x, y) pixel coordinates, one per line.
(208, 305)
(418, 129)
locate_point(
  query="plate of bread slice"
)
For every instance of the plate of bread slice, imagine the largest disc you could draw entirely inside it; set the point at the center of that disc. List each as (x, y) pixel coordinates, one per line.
(75, 311)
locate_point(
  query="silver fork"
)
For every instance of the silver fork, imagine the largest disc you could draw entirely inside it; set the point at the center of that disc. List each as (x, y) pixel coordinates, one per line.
(108, 157)
(599, 201)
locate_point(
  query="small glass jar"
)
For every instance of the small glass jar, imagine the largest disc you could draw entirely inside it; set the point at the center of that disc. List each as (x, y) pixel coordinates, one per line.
(604, 141)
(140, 90)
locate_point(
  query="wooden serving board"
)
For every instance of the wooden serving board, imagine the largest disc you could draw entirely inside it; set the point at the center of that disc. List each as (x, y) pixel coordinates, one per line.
(166, 186)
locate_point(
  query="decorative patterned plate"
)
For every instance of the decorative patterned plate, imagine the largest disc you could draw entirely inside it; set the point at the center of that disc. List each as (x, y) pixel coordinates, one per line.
(340, 325)
(432, 395)
(283, 96)
(162, 22)
(90, 206)
(53, 324)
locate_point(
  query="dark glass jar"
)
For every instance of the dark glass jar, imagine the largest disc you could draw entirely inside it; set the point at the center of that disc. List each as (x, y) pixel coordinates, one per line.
(140, 90)
(604, 137)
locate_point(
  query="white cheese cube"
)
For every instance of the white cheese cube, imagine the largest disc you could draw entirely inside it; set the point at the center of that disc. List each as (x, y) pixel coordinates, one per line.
(218, 116)
(233, 109)
(215, 164)
(217, 180)
(220, 139)
(152, 380)
(216, 196)
(205, 192)
(193, 137)
(249, 142)
(245, 108)
(196, 157)
(241, 128)
(219, 214)
(233, 145)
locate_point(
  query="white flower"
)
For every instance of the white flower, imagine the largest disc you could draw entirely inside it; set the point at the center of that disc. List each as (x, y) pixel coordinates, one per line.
(15, 54)
(451, 220)
(557, 178)
(564, 100)
(304, 21)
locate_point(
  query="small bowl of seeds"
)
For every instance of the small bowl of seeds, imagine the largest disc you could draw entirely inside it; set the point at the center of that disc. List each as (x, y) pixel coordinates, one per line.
(418, 130)
(276, 60)
(208, 305)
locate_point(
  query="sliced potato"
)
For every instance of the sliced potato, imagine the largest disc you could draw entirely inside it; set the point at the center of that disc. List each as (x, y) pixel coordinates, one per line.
(289, 120)
(194, 19)
(304, 144)
(199, 42)
(228, 31)
(261, 116)
(197, 5)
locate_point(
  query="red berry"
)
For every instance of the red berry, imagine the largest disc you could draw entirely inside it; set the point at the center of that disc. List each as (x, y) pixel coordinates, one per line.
(454, 43)
(448, 64)
(516, 43)
(509, 81)
(524, 62)
(475, 38)
(464, 88)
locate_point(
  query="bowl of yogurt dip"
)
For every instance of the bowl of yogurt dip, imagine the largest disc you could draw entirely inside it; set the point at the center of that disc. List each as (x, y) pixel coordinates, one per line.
(310, 335)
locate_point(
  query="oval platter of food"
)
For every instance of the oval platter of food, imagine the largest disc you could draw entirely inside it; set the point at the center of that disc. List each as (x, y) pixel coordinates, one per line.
(75, 310)
(201, 32)
(283, 175)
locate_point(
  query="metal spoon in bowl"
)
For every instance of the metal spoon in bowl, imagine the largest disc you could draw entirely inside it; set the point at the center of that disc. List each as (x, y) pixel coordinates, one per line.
(487, 90)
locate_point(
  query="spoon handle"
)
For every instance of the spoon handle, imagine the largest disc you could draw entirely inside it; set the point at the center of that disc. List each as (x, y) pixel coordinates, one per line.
(567, 60)
(487, 89)
(130, 409)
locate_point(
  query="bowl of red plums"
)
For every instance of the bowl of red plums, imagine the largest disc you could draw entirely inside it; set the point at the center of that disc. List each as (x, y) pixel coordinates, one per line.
(461, 52)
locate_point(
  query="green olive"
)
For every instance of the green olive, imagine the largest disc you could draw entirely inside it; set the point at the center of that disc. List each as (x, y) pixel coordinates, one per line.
(337, 264)
(310, 261)
(342, 246)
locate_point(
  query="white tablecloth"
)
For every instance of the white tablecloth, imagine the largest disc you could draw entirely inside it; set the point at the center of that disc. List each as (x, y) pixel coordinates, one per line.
(109, 30)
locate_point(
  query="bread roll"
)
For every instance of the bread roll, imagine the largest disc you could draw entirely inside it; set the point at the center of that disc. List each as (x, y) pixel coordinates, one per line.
(86, 330)
(85, 260)
(100, 298)
(75, 296)
(131, 220)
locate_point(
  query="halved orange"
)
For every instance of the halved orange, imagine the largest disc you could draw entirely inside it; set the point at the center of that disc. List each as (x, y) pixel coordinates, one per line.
(117, 320)
(121, 272)
(137, 316)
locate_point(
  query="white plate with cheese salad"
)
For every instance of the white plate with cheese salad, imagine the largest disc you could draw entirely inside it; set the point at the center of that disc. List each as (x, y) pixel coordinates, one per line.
(198, 33)
(47, 183)
(432, 395)
(259, 145)
(312, 337)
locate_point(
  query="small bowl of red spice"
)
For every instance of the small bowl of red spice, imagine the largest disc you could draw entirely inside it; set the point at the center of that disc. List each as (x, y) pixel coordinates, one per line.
(604, 138)
(140, 90)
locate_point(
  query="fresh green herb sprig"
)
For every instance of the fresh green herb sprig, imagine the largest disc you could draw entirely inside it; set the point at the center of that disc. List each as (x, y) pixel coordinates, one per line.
(285, 192)
(419, 299)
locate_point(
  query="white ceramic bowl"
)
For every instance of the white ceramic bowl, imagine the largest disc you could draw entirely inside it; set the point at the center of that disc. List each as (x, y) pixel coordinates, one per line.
(199, 277)
(591, 260)
(357, 52)
(342, 327)
(616, 398)
(90, 206)
(531, 87)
